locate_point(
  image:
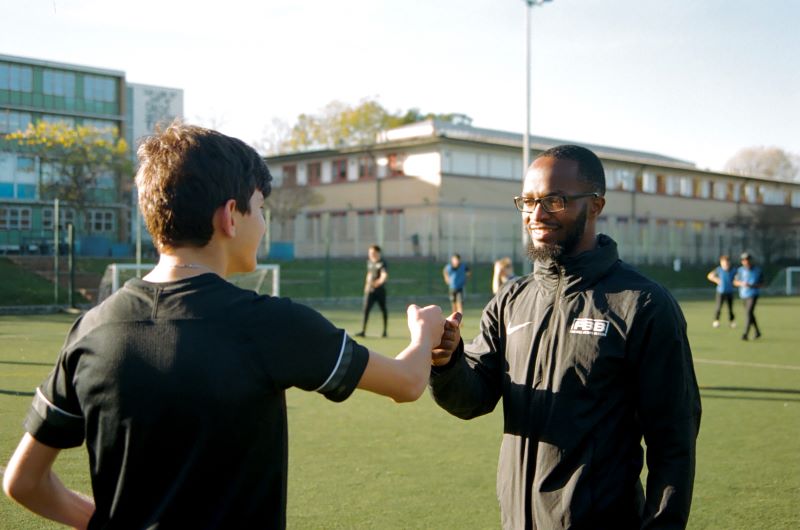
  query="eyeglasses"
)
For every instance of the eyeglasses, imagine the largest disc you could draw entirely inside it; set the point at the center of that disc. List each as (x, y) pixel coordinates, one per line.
(551, 203)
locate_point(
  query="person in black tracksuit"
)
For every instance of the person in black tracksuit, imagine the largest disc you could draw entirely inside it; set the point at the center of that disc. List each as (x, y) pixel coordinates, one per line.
(588, 357)
(375, 288)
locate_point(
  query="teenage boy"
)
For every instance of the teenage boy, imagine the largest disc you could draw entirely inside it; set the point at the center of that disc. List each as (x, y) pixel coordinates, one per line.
(375, 288)
(176, 382)
(455, 275)
(723, 276)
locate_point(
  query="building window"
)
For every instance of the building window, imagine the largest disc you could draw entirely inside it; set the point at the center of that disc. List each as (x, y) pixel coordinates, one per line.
(750, 193)
(687, 187)
(313, 226)
(314, 171)
(338, 226)
(391, 226)
(705, 189)
(26, 191)
(649, 183)
(64, 120)
(620, 179)
(13, 121)
(15, 218)
(395, 164)
(99, 221)
(736, 192)
(25, 164)
(720, 191)
(672, 185)
(6, 190)
(96, 88)
(108, 129)
(66, 215)
(16, 78)
(339, 170)
(289, 175)
(58, 83)
(366, 225)
(366, 168)
(796, 199)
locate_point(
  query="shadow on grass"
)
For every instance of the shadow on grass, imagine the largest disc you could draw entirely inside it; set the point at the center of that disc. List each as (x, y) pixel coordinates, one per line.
(753, 389)
(15, 393)
(705, 395)
(26, 363)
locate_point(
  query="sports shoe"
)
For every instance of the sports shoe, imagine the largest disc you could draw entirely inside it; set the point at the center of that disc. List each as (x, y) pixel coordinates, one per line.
(758, 335)
(384, 335)
(715, 324)
(359, 334)
(744, 337)
(733, 324)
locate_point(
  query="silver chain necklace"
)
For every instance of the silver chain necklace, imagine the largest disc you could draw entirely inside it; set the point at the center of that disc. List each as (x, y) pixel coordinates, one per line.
(188, 266)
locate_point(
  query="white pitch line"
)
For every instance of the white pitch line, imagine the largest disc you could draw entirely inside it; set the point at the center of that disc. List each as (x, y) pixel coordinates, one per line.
(753, 365)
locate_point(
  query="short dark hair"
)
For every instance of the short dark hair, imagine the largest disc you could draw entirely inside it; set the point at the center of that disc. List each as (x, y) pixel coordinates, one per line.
(187, 172)
(376, 248)
(590, 168)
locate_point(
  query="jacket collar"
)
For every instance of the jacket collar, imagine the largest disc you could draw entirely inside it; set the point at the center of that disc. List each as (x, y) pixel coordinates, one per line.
(576, 273)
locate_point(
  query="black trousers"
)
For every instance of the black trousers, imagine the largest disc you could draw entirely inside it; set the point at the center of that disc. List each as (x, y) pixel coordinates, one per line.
(750, 315)
(376, 295)
(724, 298)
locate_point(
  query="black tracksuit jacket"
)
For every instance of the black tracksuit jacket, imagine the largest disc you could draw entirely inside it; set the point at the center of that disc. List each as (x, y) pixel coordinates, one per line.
(589, 357)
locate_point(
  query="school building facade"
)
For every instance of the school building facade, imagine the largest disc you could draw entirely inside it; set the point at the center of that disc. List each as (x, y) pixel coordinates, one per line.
(434, 188)
(33, 90)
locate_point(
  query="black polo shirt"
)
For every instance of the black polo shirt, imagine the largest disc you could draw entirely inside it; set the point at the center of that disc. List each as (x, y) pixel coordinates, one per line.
(178, 391)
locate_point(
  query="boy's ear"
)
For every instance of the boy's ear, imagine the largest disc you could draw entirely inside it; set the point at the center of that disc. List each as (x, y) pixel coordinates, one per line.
(224, 219)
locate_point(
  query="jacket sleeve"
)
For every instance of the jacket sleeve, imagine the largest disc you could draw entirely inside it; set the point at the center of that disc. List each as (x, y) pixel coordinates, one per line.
(668, 409)
(471, 384)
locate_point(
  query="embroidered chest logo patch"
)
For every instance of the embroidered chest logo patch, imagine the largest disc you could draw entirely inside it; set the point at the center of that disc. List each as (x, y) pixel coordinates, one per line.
(589, 326)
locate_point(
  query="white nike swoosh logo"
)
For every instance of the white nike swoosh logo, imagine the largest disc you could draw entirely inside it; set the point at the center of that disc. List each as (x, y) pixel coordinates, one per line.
(512, 329)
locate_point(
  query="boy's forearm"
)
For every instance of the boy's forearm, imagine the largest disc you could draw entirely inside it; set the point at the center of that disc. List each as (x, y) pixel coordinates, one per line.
(29, 480)
(51, 499)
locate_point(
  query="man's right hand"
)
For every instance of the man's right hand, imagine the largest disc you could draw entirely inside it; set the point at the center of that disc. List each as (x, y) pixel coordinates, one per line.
(425, 323)
(450, 338)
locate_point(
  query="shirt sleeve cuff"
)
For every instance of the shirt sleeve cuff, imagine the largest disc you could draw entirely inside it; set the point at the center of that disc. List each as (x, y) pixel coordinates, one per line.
(53, 426)
(348, 371)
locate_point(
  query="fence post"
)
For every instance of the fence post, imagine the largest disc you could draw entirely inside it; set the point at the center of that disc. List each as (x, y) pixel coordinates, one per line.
(56, 237)
(71, 263)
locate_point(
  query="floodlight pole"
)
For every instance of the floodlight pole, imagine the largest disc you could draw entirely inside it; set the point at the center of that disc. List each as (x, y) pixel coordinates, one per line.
(526, 139)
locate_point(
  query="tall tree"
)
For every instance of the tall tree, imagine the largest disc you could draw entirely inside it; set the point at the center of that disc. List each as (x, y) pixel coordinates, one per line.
(287, 200)
(765, 162)
(77, 158)
(340, 124)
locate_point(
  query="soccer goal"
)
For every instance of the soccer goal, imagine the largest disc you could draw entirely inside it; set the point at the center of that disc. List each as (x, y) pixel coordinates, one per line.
(785, 282)
(266, 279)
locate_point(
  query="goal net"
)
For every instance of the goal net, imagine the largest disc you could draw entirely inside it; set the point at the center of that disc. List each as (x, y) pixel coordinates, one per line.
(264, 280)
(787, 282)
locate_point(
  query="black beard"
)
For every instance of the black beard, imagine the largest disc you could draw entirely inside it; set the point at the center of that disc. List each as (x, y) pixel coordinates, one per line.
(555, 251)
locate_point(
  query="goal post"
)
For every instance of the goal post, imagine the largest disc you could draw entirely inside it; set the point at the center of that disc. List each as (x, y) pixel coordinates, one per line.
(792, 280)
(786, 282)
(265, 279)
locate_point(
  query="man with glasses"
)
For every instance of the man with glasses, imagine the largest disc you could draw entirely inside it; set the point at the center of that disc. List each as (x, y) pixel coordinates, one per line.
(589, 357)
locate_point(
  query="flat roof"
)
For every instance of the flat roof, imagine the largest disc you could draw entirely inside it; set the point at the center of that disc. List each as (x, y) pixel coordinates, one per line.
(61, 66)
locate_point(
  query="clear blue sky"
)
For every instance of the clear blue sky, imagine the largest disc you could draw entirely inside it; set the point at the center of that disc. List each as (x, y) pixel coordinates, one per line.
(693, 79)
